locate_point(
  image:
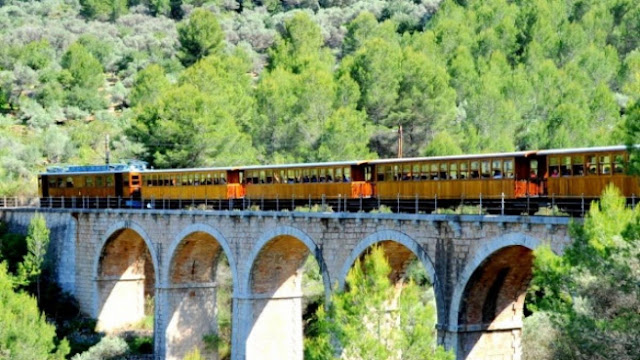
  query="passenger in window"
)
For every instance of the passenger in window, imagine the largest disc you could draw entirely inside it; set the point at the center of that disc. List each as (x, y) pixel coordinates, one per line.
(497, 174)
(314, 179)
(329, 178)
(533, 175)
(555, 173)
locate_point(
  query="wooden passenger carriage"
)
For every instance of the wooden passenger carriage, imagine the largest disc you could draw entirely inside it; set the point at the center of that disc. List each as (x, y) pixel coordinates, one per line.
(581, 172)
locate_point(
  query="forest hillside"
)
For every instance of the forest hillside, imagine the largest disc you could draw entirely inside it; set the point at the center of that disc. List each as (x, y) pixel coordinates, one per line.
(193, 83)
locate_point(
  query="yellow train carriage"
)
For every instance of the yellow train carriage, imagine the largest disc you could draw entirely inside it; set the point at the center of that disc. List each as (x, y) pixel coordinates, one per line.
(102, 184)
(451, 177)
(185, 184)
(587, 171)
(302, 181)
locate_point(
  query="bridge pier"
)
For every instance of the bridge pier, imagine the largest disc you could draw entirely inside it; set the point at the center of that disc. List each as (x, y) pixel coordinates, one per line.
(121, 301)
(272, 326)
(189, 315)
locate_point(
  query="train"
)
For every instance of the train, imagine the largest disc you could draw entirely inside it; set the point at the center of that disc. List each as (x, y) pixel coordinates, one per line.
(540, 175)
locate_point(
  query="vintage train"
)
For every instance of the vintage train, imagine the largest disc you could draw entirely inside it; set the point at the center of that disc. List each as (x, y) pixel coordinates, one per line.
(559, 173)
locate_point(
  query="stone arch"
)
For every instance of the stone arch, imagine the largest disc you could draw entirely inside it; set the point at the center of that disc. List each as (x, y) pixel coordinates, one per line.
(496, 288)
(202, 228)
(191, 285)
(409, 243)
(279, 232)
(271, 294)
(116, 282)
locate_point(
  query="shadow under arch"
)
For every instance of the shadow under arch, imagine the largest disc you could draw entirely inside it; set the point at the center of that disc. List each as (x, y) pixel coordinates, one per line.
(120, 289)
(406, 241)
(272, 295)
(191, 289)
(494, 280)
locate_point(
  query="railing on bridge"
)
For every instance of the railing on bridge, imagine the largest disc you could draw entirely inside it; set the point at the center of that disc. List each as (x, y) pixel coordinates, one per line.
(549, 206)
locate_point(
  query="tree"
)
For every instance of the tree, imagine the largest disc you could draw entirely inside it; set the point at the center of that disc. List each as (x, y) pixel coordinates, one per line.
(37, 244)
(148, 85)
(186, 128)
(199, 36)
(632, 127)
(591, 292)
(82, 76)
(370, 320)
(24, 332)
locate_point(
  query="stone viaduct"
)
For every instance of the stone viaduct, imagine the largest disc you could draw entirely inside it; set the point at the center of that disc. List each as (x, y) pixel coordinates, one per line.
(109, 259)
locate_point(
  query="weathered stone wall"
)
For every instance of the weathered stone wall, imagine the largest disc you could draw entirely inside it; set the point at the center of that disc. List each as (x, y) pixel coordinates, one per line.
(452, 248)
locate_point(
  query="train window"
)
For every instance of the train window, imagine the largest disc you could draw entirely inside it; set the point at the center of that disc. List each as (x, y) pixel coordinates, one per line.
(433, 171)
(592, 165)
(69, 182)
(263, 176)
(88, 181)
(443, 171)
(52, 181)
(605, 164)
(99, 181)
(60, 182)
(109, 180)
(496, 169)
(314, 175)
(147, 179)
(554, 166)
(508, 169)
(475, 170)
(453, 171)
(464, 170)
(290, 176)
(577, 166)
(424, 172)
(565, 166)
(196, 179)
(338, 177)
(346, 174)
(380, 171)
(184, 180)
(223, 178)
(406, 172)
(323, 174)
(618, 164)
(135, 179)
(485, 169)
(416, 172)
(390, 174)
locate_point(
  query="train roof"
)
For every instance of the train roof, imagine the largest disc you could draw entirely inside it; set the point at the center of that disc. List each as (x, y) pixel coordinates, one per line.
(454, 157)
(583, 150)
(94, 169)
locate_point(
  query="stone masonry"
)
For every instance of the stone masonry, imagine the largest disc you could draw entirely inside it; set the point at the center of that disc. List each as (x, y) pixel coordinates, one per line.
(109, 259)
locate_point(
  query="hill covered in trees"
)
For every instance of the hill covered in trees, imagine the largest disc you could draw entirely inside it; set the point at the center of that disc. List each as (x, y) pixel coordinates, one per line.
(190, 83)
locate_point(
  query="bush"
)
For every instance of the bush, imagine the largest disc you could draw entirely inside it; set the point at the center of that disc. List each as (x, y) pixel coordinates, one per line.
(107, 348)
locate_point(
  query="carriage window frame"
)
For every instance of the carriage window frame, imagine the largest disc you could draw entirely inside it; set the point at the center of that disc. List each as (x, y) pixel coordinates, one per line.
(380, 173)
(591, 164)
(99, 181)
(554, 166)
(109, 180)
(566, 168)
(485, 169)
(453, 171)
(604, 164)
(474, 169)
(497, 171)
(618, 164)
(509, 170)
(463, 170)
(577, 165)
(443, 171)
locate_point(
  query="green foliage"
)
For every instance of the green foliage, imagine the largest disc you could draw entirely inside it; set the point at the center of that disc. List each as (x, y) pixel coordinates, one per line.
(199, 36)
(24, 332)
(193, 355)
(37, 244)
(103, 9)
(632, 130)
(371, 320)
(591, 293)
(108, 348)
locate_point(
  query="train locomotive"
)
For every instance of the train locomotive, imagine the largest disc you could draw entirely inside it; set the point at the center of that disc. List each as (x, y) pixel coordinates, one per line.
(540, 177)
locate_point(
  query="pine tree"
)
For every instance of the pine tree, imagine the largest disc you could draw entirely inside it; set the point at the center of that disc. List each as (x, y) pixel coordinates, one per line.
(373, 319)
